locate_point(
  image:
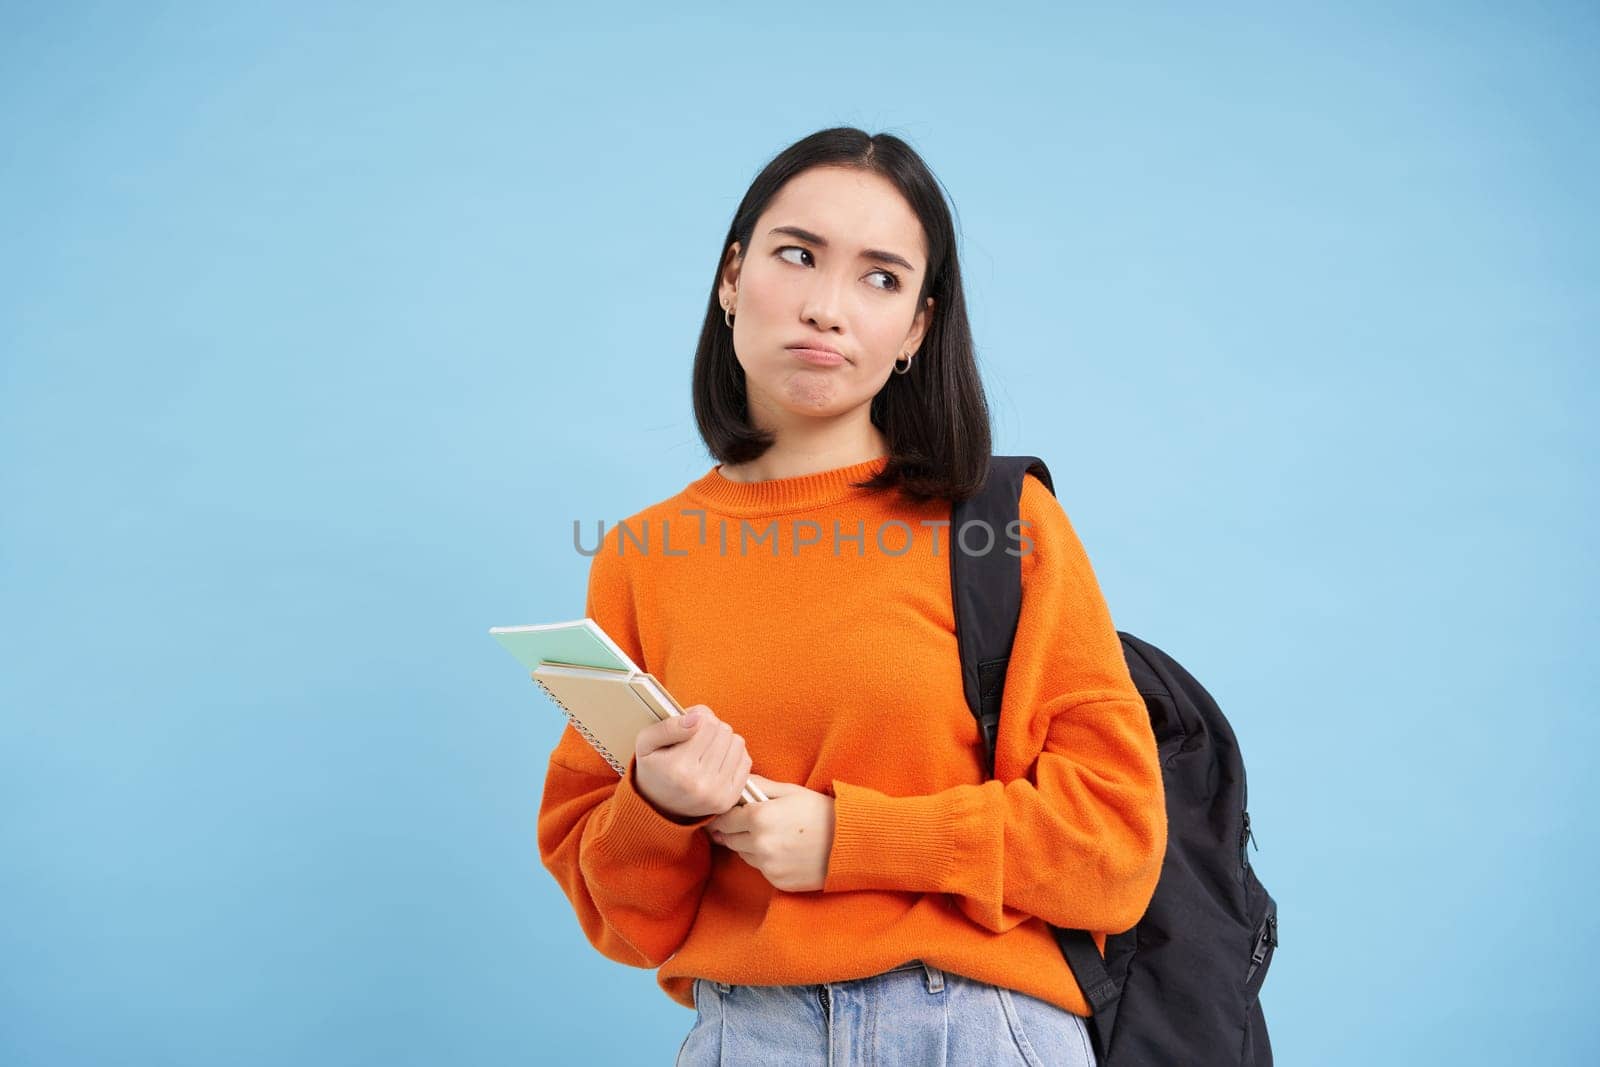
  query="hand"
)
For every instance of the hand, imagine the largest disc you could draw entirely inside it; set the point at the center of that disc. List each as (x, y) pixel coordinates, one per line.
(787, 838)
(691, 765)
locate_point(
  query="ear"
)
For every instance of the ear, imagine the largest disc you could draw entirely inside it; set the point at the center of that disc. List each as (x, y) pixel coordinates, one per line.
(919, 328)
(728, 284)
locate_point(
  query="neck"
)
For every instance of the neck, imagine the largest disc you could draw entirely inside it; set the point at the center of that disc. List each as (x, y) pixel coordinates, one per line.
(800, 451)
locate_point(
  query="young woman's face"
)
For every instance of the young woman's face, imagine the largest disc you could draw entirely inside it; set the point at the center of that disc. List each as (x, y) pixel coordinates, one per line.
(835, 261)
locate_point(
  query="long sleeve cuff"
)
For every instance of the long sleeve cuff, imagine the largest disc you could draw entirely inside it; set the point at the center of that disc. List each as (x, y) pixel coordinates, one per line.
(918, 843)
(634, 831)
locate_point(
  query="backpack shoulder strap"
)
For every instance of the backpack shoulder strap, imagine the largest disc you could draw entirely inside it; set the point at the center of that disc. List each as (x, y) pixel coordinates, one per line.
(986, 591)
(986, 586)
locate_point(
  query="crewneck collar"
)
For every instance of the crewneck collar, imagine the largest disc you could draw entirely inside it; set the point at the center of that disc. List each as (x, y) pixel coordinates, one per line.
(721, 493)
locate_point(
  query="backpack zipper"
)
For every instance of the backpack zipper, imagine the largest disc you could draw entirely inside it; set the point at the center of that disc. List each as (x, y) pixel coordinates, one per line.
(1267, 936)
(1246, 835)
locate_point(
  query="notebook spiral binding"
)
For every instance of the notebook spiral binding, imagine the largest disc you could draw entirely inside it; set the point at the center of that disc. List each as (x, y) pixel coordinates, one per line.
(594, 742)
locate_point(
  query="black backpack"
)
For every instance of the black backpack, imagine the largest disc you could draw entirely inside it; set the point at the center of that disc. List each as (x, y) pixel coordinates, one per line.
(1181, 986)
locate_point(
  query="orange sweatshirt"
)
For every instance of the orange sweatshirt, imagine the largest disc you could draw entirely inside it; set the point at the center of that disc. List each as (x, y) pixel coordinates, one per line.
(816, 619)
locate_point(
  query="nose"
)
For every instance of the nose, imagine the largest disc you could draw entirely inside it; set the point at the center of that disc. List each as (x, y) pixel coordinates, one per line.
(824, 301)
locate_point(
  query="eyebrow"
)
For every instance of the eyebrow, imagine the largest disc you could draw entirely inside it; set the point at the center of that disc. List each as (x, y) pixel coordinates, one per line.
(822, 242)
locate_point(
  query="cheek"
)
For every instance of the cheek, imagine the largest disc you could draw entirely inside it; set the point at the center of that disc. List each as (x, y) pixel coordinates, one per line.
(768, 294)
(881, 338)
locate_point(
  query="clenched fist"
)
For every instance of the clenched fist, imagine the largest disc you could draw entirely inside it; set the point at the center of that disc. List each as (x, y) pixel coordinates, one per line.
(691, 765)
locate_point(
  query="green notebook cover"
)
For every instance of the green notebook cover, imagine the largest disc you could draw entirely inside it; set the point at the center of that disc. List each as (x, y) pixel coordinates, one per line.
(581, 643)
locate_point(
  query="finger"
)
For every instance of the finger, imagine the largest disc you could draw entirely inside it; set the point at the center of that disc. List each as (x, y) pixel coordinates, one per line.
(735, 820)
(741, 772)
(775, 789)
(731, 768)
(746, 857)
(706, 733)
(741, 843)
(673, 730)
(716, 749)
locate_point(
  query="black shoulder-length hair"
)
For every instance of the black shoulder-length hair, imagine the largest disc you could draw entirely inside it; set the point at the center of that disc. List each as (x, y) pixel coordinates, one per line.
(934, 417)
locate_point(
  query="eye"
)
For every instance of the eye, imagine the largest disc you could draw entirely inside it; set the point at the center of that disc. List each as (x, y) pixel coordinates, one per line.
(793, 248)
(892, 285)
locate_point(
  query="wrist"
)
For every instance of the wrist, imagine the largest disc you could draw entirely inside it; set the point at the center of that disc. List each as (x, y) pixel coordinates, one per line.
(666, 813)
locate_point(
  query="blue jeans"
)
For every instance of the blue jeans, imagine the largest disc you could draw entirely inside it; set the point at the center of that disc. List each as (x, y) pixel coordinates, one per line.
(914, 1014)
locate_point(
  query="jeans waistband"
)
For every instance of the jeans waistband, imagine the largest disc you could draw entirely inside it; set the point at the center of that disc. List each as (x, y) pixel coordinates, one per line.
(933, 977)
(911, 966)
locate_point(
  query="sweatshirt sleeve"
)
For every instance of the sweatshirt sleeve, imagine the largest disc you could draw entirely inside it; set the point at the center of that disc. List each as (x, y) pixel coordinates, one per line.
(633, 875)
(1072, 828)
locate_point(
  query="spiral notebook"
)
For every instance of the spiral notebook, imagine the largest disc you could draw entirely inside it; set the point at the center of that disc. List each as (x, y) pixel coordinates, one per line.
(605, 696)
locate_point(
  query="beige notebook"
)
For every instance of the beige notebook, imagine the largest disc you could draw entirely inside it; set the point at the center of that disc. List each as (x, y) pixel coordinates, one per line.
(609, 708)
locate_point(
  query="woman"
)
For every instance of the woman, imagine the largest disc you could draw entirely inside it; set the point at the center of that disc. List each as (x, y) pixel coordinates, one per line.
(887, 903)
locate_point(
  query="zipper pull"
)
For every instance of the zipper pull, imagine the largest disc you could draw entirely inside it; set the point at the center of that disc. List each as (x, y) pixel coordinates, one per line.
(1248, 832)
(1268, 935)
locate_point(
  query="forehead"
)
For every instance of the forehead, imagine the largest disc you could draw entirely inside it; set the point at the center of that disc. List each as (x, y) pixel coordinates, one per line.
(852, 208)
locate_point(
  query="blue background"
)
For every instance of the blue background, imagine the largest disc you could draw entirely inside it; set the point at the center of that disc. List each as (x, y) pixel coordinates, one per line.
(319, 327)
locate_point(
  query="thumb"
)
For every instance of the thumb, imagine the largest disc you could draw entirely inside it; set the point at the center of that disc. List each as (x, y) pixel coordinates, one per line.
(776, 789)
(673, 730)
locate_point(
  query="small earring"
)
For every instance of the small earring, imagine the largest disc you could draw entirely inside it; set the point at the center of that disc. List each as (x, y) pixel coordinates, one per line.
(904, 368)
(727, 316)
